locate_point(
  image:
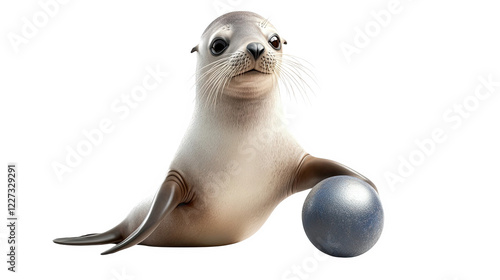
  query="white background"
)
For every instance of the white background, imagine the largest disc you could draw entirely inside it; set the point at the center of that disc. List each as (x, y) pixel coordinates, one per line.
(441, 222)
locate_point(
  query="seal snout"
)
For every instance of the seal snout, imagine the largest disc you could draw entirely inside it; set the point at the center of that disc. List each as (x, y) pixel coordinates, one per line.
(256, 49)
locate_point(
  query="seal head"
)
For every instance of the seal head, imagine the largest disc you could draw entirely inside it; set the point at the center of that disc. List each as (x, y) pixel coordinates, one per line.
(239, 55)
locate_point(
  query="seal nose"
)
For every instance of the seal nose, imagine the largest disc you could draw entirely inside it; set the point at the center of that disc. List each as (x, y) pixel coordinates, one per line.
(256, 49)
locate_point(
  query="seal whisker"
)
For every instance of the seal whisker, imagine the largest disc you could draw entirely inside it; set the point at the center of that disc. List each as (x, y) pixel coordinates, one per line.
(224, 81)
(283, 78)
(292, 73)
(275, 80)
(209, 86)
(213, 68)
(216, 87)
(295, 61)
(290, 78)
(208, 66)
(264, 23)
(205, 82)
(295, 76)
(298, 61)
(215, 83)
(224, 78)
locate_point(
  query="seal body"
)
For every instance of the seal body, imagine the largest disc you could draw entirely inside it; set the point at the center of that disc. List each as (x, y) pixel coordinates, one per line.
(237, 157)
(237, 172)
(237, 161)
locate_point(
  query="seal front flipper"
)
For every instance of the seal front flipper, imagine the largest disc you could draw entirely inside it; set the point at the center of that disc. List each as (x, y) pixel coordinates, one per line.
(171, 193)
(313, 170)
(111, 236)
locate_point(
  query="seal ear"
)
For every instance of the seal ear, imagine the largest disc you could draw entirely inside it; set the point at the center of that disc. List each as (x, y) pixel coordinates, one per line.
(284, 41)
(195, 49)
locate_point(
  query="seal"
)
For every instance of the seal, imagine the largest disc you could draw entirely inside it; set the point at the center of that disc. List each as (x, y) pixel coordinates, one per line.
(237, 161)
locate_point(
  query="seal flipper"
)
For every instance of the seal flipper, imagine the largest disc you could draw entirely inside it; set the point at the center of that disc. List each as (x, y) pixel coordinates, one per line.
(111, 236)
(166, 199)
(313, 170)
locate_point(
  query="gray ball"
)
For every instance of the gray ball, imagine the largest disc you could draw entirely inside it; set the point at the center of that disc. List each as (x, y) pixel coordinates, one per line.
(342, 216)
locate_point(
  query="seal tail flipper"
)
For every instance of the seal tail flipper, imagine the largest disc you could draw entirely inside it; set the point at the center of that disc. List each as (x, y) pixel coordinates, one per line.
(166, 199)
(111, 236)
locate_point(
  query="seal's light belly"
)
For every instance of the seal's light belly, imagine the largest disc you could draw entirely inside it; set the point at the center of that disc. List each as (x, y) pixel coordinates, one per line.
(232, 197)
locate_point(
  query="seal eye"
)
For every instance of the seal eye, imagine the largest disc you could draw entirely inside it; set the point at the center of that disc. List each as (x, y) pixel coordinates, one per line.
(275, 42)
(218, 46)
